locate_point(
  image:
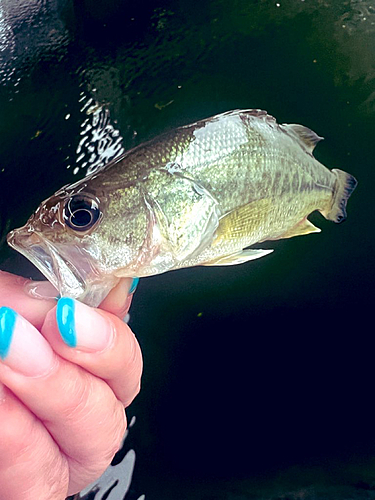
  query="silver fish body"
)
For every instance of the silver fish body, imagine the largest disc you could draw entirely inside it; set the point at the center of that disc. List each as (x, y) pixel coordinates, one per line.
(198, 195)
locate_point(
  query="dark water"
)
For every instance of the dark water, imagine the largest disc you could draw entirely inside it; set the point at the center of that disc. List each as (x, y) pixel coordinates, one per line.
(259, 379)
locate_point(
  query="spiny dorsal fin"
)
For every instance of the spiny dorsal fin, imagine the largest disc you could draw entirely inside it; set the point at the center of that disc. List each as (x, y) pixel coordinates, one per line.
(306, 136)
(259, 114)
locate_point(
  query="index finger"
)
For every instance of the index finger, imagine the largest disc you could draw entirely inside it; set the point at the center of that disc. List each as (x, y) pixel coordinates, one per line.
(97, 341)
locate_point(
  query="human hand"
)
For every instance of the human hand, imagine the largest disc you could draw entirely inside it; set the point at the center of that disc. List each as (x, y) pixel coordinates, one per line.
(61, 408)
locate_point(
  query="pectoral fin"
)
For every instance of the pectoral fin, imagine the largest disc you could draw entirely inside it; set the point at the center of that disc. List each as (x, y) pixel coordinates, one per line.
(238, 258)
(243, 221)
(300, 229)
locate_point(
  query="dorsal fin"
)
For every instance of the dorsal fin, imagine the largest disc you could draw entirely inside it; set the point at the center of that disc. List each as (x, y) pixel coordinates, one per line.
(247, 113)
(260, 114)
(306, 136)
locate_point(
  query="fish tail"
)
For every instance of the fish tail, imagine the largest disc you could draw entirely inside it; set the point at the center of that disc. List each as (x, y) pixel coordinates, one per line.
(344, 186)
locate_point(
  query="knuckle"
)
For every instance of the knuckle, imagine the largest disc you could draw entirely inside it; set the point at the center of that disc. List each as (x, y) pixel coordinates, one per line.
(18, 433)
(129, 397)
(26, 447)
(94, 405)
(55, 477)
(117, 431)
(79, 398)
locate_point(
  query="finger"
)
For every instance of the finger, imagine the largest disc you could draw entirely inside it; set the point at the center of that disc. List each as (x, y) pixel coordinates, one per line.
(79, 410)
(97, 341)
(31, 465)
(120, 297)
(22, 295)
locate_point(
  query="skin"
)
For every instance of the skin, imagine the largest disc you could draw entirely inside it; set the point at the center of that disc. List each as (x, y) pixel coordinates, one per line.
(52, 439)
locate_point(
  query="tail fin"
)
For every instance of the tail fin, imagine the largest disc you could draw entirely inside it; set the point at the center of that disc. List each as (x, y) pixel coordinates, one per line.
(345, 185)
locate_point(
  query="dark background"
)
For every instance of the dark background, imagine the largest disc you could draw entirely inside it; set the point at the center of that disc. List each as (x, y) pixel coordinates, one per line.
(258, 379)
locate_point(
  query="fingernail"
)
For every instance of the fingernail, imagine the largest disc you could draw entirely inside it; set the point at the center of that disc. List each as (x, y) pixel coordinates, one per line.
(134, 285)
(22, 347)
(41, 290)
(7, 323)
(82, 327)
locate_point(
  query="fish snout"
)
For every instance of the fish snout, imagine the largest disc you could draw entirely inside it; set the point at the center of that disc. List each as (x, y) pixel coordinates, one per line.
(22, 237)
(30, 244)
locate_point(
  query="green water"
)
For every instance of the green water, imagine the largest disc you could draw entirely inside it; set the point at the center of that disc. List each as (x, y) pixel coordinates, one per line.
(258, 379)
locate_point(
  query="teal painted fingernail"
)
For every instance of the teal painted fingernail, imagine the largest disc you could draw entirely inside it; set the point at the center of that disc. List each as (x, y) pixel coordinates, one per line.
(66, 321)
(8, 319)
(134, 285)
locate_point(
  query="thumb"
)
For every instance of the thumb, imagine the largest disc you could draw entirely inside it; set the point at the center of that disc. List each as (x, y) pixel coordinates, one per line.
(31, 299)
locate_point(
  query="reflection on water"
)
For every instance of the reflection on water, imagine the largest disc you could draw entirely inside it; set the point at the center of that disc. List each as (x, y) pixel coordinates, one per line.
(100, 141)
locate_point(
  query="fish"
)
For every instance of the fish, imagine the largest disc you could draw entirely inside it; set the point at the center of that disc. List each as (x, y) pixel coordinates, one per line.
(200, 195)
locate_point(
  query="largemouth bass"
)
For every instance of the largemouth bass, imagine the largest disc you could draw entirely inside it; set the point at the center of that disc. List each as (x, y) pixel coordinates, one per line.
(198, 195)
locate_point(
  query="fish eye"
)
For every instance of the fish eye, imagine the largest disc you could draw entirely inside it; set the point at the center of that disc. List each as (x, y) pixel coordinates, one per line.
(81, 212)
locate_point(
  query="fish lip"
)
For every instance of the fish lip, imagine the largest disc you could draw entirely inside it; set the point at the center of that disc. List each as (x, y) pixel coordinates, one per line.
(59, 270)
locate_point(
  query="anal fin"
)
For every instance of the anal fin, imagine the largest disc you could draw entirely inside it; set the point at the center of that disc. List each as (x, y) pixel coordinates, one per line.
(300, 229)
(238, 258)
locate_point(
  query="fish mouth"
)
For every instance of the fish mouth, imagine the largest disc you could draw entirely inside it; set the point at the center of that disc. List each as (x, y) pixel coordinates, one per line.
(70, 270)
(61, 273)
